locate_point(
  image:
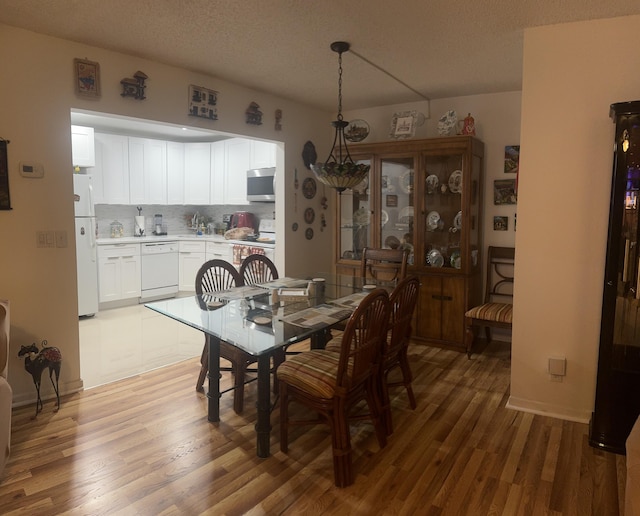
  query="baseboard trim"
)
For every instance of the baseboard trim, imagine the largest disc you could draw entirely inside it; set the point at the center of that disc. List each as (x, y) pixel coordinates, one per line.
(28, 398)
(546, 409)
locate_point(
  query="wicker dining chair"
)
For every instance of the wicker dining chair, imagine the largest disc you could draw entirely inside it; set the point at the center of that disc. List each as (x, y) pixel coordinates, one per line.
(331, 384)
(214, 276)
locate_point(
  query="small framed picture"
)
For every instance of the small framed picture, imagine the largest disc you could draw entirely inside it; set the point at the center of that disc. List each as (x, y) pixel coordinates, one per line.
(403, 124)
(504, 191)
(500, 223)
(202, 102)
(511, 159)
(392, 201)
(87, 77)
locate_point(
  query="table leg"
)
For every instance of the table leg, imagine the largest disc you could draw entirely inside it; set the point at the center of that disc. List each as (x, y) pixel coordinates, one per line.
(263, 426)
(214, 379)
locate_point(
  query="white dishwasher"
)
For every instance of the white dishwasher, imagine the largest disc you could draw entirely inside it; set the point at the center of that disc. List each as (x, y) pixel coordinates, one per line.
(159, 270)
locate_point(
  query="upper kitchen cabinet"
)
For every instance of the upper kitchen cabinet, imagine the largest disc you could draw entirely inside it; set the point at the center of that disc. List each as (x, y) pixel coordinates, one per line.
(147, 171)
(175, 173)
(82, 146)
(218, 173)
(263, 154)
(111, 170)
(197, 173)
(424, 196)
(238, 161)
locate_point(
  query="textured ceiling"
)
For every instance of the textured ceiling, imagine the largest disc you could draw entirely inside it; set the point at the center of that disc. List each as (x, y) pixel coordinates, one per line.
(440, 48)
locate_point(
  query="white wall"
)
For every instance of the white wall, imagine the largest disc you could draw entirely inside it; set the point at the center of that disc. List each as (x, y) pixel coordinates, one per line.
(36, 95)
(572, 73)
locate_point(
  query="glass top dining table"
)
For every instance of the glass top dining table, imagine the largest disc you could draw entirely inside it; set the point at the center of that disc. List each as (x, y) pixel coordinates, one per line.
(264, 318)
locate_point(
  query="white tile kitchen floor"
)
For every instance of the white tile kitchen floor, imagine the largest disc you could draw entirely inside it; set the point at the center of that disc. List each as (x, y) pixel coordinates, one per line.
(123, 342)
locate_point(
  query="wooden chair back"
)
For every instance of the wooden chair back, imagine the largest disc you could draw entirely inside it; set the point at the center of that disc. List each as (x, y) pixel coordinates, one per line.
(363, 340)
(216, 275)
(384, 264)
(257, 268)
(500, 267)
(403, 301)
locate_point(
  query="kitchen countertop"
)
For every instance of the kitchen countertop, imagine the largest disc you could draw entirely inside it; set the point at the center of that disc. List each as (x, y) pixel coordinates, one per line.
(177, 238)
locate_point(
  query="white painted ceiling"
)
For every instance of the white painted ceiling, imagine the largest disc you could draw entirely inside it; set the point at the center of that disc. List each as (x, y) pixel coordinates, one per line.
(440, 48)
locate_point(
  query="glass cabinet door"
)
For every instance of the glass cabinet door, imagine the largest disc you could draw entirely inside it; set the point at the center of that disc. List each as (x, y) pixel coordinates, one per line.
(444, 218)
(396, 202)
(355, 219)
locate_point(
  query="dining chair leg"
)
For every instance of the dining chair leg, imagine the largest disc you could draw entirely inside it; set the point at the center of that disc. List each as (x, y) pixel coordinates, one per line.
(204, 367)
(407, 378)
(385, 409)
(284, 418)
(341, 444)
(373, 395)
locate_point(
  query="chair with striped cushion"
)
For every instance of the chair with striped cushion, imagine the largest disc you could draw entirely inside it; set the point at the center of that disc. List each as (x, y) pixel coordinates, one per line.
(497, 309)
(331, 384)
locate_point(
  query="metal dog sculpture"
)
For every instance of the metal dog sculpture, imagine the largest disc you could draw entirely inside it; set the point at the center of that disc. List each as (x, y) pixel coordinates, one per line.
(36, 361)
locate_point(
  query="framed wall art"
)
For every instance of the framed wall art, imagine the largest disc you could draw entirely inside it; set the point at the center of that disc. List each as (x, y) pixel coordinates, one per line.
(500, 223)
(203, 102)
(504, 191)
(392, 201)
(87, 77)
(511, 159)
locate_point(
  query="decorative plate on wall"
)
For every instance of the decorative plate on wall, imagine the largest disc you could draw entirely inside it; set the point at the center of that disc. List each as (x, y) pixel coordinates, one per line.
(309, 188)
(309, 233)
(309, 215)
(356, 131)
(294, 226)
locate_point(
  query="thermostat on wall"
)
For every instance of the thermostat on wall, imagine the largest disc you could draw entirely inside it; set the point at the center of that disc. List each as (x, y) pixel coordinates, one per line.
(34, 170)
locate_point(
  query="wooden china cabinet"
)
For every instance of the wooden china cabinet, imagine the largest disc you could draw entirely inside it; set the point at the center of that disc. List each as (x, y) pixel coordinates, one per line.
(426, 196)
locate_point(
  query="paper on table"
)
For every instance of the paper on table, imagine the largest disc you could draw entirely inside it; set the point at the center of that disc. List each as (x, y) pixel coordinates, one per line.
(321, 315)
(351, 301)
(284, 282)
(241, 293)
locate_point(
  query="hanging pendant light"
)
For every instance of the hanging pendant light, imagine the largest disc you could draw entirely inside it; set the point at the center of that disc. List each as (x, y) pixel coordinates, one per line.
(339, 171)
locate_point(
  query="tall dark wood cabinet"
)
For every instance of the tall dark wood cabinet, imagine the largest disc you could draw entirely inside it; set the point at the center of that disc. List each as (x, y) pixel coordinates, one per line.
(426, 196)
(617, 403)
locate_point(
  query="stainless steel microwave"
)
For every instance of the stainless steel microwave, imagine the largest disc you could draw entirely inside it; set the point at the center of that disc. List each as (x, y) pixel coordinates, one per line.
(261, 185)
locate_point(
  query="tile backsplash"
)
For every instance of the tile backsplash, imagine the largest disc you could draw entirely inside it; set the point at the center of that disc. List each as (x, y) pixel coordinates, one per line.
(176, 217)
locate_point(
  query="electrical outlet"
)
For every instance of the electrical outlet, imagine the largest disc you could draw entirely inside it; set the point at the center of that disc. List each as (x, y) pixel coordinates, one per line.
(556, 378)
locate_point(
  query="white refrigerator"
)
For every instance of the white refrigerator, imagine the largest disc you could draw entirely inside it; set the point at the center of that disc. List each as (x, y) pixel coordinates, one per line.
(86, 255)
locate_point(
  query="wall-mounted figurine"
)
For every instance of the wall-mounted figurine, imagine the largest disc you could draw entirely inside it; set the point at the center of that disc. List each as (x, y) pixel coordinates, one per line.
(278, 126)
(134, 87)
(254, 115)
(36, 361)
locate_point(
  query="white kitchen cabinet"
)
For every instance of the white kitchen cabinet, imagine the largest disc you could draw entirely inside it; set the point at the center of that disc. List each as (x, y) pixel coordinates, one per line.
(82, 146)
(238, 161)
(118, 272)
(175, 173)
(217, 194)
(197, 172)
(263, 154)
(147, 171)
(191, 257)
(111, 170)
(220, 251)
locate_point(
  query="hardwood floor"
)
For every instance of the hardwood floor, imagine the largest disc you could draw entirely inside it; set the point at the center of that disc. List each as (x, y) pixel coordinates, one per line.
(143, 446)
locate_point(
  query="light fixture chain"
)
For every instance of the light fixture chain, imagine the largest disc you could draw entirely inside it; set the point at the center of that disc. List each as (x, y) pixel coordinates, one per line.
(340, 86)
